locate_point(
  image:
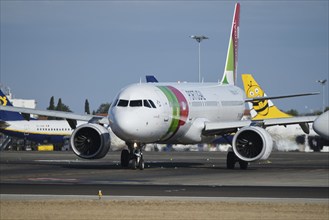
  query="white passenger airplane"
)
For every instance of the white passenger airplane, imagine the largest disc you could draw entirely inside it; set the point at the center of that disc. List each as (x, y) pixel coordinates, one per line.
(41, 131)
(177, 113)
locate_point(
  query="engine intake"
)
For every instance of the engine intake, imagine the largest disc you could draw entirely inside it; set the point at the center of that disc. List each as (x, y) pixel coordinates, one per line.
(90, 141)
(252, 143)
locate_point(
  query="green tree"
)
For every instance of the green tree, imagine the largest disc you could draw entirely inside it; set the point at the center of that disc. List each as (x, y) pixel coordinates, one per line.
(59, 105)
(103, 108)
(293, 112)
(87, 108)
(62, 107)
(51, 104)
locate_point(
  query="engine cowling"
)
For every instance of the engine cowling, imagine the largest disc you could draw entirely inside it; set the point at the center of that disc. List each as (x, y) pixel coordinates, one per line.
(90, 141)
(252, 143)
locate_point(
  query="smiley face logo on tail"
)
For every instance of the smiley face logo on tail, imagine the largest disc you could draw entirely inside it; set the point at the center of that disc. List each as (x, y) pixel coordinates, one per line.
(254, 91)
(259, 109)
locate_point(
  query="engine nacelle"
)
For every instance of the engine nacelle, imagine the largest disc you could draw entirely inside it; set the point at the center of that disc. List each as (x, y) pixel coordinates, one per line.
(252, 143)
(90, 141)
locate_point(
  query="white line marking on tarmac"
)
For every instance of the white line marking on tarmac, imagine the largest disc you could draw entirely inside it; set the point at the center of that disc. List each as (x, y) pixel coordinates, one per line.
(160, 198)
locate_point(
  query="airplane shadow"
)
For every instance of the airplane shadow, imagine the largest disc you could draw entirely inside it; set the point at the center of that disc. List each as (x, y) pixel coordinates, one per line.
(116, 166)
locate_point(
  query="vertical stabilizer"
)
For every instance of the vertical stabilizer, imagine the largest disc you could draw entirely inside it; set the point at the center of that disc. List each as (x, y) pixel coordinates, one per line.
(230, 71)
(260, 109)
(7, 115)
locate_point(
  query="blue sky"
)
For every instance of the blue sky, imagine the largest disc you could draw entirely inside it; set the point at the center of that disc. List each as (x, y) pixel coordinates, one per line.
(77, 50)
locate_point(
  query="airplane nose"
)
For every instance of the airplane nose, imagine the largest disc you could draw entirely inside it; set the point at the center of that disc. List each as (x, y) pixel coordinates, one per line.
(127, 126)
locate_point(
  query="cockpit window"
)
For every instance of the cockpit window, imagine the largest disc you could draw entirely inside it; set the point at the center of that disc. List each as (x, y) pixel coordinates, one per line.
(136, 103)
(123, 103)
(146, 104)
(152, 104)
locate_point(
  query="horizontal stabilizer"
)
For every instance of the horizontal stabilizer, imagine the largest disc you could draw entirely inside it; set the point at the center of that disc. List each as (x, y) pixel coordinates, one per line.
(279, 97)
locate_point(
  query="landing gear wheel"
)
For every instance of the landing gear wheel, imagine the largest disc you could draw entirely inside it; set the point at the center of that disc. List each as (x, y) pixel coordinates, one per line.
(134, 164)
(243, 164)
(141, 164)
(125, 156)
(230, 160)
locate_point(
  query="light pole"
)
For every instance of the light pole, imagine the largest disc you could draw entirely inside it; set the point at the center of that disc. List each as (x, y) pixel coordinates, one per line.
(199, 39)
(323, 82)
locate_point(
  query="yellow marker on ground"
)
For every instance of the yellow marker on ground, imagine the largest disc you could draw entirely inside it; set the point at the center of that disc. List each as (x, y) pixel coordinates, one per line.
(100, 194)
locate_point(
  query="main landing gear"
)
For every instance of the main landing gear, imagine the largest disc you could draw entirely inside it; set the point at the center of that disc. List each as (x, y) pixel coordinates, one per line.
(232, 159)
(133, 155)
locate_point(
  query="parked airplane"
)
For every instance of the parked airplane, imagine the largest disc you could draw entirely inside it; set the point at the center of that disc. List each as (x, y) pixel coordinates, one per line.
(14, 124)
(177, 113)
(40, 131)
(283, 136)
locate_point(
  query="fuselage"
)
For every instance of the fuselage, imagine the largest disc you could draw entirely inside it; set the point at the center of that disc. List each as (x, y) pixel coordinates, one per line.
(173, 112)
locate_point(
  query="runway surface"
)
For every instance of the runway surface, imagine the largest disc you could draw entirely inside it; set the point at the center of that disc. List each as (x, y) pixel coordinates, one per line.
(187, 174)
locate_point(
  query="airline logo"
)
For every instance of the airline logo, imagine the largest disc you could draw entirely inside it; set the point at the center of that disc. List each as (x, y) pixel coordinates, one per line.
(3, 100)
(180, 109)
(235, 37)
(254, 91)
(260, 109)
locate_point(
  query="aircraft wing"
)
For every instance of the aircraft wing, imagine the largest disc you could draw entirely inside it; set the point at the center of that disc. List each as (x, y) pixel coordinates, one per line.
(3, 124)
(57, 114)
(233, 126)
(288, 121)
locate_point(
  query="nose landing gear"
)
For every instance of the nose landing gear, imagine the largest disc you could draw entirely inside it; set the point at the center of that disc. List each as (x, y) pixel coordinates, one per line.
(135, 155)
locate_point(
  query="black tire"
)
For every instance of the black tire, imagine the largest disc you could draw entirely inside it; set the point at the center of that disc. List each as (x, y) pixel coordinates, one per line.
(230, 160)
(125, 158)
(134, 163)
(243, 164)
(141, 164)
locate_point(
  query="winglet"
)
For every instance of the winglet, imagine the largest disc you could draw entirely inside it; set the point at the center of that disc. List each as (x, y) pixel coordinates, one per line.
(230, 71)
(260, 109)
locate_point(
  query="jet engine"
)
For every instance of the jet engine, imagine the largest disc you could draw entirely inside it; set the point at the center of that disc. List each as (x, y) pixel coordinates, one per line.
(252, 143)
(90, 141)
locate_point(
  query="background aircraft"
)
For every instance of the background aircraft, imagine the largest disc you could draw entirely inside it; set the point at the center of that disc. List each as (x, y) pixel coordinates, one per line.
(321, 125)
(282, 136)
(14, 124)
(177, 113)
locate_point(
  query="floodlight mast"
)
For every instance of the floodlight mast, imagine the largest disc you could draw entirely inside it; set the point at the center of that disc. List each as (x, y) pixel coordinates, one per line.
(199, 39)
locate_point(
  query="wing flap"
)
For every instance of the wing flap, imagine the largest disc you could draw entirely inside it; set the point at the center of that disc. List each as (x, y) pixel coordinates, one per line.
(50, 113)
(232, 126)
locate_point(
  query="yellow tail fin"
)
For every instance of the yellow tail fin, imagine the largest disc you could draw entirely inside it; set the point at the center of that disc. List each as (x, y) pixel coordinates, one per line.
(260, 109)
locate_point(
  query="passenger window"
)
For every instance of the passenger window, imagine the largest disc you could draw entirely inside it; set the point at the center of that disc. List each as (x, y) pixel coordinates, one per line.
(136, 103)
(146, 104)
(123, 103)
(152, 104)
